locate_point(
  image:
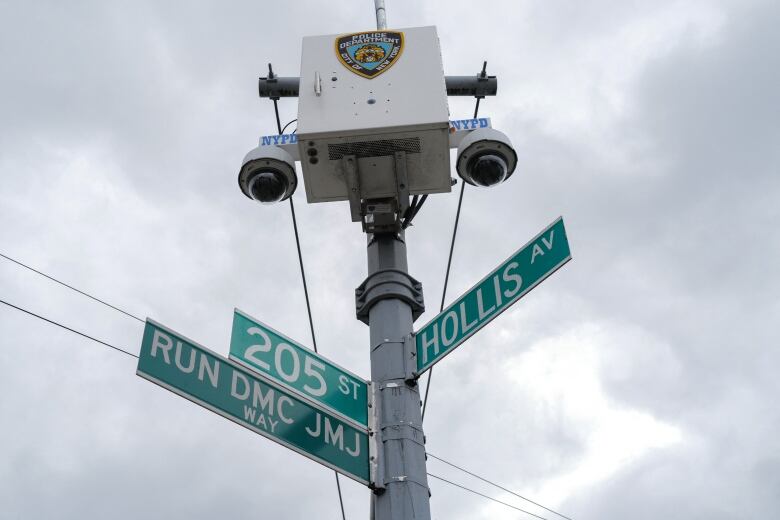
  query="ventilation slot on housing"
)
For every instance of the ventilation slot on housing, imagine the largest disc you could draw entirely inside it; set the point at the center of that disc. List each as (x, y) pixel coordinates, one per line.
(374, 148)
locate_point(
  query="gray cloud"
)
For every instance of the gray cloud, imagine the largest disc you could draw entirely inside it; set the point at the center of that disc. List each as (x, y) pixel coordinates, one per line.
(652, 129)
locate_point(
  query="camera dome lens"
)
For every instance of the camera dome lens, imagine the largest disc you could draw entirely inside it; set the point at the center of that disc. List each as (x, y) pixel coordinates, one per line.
(487, 170)
(268, 186)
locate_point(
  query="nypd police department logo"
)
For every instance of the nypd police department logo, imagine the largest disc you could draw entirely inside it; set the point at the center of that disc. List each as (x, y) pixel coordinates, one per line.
(369, 54)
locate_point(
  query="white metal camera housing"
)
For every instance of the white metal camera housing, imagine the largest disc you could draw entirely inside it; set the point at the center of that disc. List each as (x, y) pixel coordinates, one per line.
(486, 157)
(342, 113)
(268, 175)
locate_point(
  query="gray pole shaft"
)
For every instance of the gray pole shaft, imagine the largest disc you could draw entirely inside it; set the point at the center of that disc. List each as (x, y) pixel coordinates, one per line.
(381, 14)
(399, 420)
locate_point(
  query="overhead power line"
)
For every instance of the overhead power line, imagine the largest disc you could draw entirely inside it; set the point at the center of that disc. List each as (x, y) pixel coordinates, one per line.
(58, 324)
(123, 351)
(106, 344)
(73, 288)
(496, 485)
(485, 496)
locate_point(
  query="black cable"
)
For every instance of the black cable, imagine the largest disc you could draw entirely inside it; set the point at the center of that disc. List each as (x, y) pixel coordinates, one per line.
(449, 260)
(485, 496)
(303, 274)
(298, 243)
(341, 500)
(452, 247)
(409, 212)
(72, 288)
(420, 204)
(411, 205)
(444, 290)
(496, 485)
(428, 383)
(278, 122)
(297, 239)
(69, 329)
(413, 211)
(288, 124)
(305, 288)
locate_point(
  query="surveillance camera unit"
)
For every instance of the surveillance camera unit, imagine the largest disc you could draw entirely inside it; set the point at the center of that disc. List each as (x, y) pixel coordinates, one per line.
(486, 157)
(357, 111)
(268, 175)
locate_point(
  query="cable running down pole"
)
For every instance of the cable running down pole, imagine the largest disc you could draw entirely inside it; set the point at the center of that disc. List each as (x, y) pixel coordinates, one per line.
(303, 277)
(449, 260)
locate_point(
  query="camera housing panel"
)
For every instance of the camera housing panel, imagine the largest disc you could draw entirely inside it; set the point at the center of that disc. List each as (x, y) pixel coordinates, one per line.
(342, 113)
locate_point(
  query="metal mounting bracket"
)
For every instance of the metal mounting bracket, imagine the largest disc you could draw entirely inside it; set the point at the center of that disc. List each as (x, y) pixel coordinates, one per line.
(410, 360)
(401, 182)
(349, 166)
(376, 465)
(404, 478)
(381, 216)
(388, 283)
(377, 215)
(398, 431)
(382, 432)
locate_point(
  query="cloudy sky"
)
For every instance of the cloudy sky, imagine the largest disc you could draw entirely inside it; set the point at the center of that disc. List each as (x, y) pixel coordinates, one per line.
(640, 381)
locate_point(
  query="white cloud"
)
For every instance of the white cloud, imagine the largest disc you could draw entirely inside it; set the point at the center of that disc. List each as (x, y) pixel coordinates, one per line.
(562, 376)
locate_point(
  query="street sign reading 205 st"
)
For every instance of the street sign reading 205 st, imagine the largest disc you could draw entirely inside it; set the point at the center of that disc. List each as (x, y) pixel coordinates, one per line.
(492, 295)
(237, 393)
(276, 357)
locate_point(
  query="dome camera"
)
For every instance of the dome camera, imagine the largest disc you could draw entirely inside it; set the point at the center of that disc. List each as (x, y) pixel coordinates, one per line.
(268, 175)
(486, 158)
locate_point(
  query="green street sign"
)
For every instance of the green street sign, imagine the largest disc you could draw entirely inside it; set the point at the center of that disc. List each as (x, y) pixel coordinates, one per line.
(492, 295)
(276, 357)
(225, 387)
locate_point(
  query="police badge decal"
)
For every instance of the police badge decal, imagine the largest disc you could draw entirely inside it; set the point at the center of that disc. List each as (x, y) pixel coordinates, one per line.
(369, 54)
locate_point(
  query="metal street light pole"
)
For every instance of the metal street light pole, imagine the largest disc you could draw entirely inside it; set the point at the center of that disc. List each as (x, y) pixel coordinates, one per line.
(381, 17)
(388, 145)
(393, 298)
(388, 301)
